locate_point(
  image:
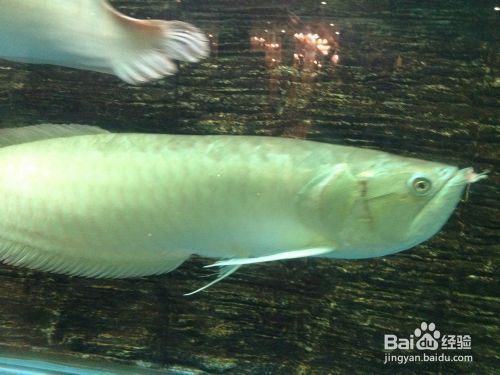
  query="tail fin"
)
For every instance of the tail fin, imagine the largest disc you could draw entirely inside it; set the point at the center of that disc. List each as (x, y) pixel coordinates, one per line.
(184, 42)
(154, 44)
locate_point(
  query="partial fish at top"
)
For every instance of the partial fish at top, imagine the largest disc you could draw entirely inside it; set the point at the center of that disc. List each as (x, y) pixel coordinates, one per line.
(82, 201)
(92, 35)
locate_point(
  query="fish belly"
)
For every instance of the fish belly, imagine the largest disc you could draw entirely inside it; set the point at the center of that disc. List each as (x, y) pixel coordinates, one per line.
(118, 205)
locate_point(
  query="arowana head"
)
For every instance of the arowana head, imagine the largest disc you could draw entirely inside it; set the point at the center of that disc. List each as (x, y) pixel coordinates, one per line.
(394, 203)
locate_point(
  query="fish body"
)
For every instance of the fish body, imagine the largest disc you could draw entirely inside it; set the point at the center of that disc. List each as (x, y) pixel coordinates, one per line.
(125, 205)
(92, 35)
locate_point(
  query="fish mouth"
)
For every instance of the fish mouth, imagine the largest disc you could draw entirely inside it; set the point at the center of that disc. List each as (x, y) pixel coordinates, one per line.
(465, 176)
(438, 210)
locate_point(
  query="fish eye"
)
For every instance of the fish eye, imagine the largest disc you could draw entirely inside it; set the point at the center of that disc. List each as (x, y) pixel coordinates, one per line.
(421, 185)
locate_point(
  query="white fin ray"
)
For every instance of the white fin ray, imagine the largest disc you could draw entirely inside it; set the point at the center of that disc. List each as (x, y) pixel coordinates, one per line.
(232, 265)
(184, 42)
(128, 74)
(165, 41)
(160, 63)
(224, 272)
(147, 68)
(303, 253)
(26, 134)
(147, 71)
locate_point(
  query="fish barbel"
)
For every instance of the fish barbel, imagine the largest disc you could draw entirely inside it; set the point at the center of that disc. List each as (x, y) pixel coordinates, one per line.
(82, 201)
(92, 35)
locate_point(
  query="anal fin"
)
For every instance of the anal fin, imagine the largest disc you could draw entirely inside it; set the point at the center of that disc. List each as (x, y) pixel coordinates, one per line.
(22, 255)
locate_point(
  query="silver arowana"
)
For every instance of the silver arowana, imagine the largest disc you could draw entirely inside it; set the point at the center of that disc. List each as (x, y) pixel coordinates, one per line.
(81, 201)
(92, 35)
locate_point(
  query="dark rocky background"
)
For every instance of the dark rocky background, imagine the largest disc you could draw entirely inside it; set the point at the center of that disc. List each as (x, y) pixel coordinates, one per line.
(419, 78)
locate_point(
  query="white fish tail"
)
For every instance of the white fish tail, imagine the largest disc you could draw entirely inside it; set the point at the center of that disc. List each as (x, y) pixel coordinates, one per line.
(92, 35)
(153, 45)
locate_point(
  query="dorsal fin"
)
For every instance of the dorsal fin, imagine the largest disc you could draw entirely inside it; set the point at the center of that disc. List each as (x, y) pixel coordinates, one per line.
(26, 134)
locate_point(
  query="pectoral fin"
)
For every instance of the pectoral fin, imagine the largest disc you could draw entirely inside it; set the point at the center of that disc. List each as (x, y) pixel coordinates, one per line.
(231, 265)
(303, 253)
(223, 273)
